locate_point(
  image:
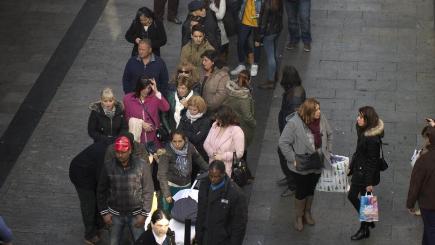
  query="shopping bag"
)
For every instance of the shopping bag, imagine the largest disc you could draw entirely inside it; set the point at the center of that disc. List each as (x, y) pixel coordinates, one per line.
(415, 156)
(368, 211)
(335, 179)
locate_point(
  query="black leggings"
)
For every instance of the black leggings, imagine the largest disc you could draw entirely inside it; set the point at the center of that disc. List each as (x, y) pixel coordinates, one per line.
(305, 184)
(354, 193)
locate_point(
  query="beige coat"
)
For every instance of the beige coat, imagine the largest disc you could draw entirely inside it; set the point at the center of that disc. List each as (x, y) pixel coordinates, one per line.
(213, 89)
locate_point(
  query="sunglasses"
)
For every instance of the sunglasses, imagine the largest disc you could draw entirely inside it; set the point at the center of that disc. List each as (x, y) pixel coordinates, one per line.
(182, 71)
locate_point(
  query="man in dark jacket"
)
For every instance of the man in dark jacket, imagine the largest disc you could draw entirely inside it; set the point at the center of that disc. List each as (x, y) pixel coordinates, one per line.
(222, 209)
(84, 172)
(422, 188)
(200, 14)
(125, 192)
(145, 64)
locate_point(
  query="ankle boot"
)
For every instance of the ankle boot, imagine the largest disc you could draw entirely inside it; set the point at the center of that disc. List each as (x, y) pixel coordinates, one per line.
(362, 233)
(299, 214)
(307, 215)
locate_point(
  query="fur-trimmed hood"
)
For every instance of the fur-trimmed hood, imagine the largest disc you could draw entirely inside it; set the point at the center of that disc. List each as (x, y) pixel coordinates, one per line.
(378, 130)
(234, 90)
(96, 106)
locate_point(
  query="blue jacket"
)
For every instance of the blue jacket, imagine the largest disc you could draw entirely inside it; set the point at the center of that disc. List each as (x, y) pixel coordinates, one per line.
(135, 68)
(257, 9)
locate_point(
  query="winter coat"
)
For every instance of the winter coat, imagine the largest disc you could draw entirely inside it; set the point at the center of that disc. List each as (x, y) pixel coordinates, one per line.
(135, 69)
(85, 168)
(242, 103)
(222, 214)
(212, 31)
(220, 13)
(147, 238)
(192, 53)
(422, 184)
(213, 89)
(101, 128)
(224, 144)
(196, 131)
(295, 140)
(168, 171)
(270, 21)
(291, 100)
(156, 33)
(364, 166)
(125, 191)
(135, 108)
(172, 111)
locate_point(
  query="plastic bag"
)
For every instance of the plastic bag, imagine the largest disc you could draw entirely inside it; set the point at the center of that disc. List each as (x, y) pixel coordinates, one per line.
(335, 179)
(368, 211)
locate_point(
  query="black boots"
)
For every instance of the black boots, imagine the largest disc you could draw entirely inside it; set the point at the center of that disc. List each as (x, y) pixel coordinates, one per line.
(363, 232)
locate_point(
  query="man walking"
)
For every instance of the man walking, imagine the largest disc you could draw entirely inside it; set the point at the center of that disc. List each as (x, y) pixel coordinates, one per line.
(222, 209)
(125, 192)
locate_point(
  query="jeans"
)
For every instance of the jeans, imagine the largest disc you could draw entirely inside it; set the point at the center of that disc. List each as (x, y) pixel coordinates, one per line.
(354, 193)
(118, 224)
(271, 48)
(305, 185)
(243, 43)
(298, 19)
(5, 232)
(429, 226)
(88, 206)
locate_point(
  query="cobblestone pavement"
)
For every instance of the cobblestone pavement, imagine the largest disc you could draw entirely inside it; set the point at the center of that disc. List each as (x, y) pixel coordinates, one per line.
(379, 53)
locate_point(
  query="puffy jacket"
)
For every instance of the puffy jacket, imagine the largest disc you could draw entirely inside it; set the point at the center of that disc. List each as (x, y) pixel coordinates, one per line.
(101, 128)
(196, 131)
(364, 166)
(270, 20)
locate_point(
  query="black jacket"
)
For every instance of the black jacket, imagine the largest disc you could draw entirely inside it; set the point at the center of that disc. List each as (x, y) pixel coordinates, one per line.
(364, 166)
(85, 168)
(101, 128)
(270, 20)
(147, 238)
(156, 33)
(212, 31)
(291, 100)
(222, 214)
(196, 132)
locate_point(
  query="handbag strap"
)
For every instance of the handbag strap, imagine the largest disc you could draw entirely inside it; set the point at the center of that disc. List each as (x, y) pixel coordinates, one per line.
(382, 150)
(149, 115)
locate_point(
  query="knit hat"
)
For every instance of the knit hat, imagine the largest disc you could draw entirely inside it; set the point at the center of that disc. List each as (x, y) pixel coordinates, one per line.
(122, 144)
(195, 5)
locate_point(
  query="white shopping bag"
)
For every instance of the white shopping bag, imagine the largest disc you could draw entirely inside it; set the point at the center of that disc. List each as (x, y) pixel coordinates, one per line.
(335, 179)
(415, 156)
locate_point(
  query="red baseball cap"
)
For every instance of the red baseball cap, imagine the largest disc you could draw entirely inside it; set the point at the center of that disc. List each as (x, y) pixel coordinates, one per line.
(122, 144)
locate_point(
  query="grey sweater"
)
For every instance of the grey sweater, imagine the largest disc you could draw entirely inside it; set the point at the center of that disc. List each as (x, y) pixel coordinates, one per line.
(298, 135)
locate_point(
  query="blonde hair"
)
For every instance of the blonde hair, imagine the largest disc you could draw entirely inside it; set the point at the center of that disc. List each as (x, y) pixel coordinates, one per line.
(198, 102)
(308, 109)
(107, 93)
(194, 74)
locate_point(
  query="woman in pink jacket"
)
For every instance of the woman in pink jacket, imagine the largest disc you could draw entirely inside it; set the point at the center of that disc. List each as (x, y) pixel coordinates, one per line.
(144, 104)
(224, 138)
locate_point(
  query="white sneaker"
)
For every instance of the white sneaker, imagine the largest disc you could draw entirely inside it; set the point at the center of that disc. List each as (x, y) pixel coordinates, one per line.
(238, 69)
(254, 70)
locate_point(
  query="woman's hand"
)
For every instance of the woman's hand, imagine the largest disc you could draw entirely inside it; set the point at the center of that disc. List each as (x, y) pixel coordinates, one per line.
(369, 188)
(184, 102)
(217, 156)
(137, 40)
(169, 199)
(154, 85)
(148, 127)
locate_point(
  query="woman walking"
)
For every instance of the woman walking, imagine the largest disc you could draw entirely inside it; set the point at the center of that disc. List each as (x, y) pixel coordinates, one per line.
(364, 167)
(306, 133)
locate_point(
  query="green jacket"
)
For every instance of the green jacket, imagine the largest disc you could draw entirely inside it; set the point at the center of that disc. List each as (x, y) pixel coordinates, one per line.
(241, 101)
(192, 53)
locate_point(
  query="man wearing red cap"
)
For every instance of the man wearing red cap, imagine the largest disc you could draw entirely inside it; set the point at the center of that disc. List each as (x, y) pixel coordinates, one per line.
(125, 192)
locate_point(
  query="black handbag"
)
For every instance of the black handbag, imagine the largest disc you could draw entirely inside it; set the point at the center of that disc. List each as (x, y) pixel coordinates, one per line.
(305, 162)
(240, 172)
(383, 165)
(162, 133)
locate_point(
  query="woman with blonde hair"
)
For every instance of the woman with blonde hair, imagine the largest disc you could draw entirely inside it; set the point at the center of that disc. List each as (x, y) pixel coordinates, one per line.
(106, 120)
(306, 144)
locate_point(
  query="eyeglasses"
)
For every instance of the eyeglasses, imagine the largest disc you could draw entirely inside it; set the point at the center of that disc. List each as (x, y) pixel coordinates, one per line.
(182, 71)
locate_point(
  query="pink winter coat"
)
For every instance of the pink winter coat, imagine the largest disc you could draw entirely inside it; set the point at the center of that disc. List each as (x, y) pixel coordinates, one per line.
(224, 144)
(135, 108)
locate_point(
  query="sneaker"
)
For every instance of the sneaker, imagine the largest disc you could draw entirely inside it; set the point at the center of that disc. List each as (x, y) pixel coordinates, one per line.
(287, 193)
(237, 70)
(290, 46)
(307, 47)
(254, 70)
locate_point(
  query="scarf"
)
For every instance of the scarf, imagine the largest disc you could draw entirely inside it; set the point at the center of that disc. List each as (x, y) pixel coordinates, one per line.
(314, 127)
(193, 118)
(109, 113)
(181, 163)
(217, 186)
(179, 107)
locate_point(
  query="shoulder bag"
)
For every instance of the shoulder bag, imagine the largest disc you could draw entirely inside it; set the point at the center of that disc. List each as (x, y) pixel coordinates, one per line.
(307, 161)
(383, 165)
(240, 173)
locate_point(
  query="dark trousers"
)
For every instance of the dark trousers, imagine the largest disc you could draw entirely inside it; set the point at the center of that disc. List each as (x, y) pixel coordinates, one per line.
(305, 185)
(429, 226)
(354, 193)
(88, 206)
(243, 47)
(159, 9)
(288, 174)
